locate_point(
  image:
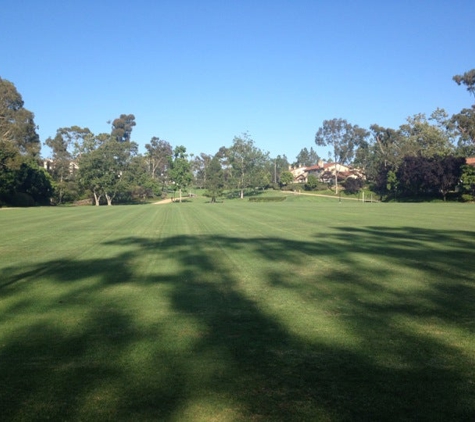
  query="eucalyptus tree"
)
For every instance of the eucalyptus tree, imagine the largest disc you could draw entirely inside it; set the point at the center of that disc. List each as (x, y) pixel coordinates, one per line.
(122, 127)
(158, 153)
(17, 125)
(199, 166)
(467, 79)
(102, 170)
(343, 138)
(465, 120)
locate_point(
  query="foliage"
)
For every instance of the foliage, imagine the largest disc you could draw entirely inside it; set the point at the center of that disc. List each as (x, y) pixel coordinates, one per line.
(122, 128)
(467, 79)
(418, 176)
(312, 182)
(199, 167)
(353, 185)
(306, 158)
(20, 174)
(248, 164)
(343, 137)
(17, 124)
(467, 182)
(214, 179)
(286, 177)
(179, 169)
(157, 155)
(62, 166)
(103, 170)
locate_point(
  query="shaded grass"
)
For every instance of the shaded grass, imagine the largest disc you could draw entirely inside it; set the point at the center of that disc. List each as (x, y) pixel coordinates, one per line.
(302, 310)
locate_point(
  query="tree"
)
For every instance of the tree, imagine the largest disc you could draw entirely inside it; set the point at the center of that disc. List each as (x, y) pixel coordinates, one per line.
(158, 152)
(35, 182)
(467, 79)
(353, 184)
(427, 176)
(312, 182)
(17, 125)
(343, 137)
(447, 173)
(465, 120)
(61, 170)
(180, 169)
(102, 170)
(307, 158)
(286, 177)
(122, 127)
(214, 180)
(420, 137)
(199, 167)
(20, 173)
(280, 166)
(467, 181)
(248, 164)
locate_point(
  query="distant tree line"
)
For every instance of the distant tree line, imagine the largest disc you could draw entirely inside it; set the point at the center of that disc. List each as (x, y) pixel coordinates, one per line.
(423, 158)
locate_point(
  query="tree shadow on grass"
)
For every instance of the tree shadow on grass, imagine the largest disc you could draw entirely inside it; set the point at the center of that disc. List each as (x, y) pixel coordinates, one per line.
(366, 344)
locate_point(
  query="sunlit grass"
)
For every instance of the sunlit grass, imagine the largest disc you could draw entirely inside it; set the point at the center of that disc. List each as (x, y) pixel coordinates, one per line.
(307, 309)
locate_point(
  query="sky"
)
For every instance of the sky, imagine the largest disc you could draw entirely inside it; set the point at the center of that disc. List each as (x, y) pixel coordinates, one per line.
(198, 73)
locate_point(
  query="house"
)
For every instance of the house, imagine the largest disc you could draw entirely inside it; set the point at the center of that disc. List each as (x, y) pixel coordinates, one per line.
(48, 164)
(470, 161)
(325, 172)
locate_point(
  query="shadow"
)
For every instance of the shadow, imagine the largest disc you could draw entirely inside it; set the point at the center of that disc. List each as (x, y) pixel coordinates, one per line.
(383, 333)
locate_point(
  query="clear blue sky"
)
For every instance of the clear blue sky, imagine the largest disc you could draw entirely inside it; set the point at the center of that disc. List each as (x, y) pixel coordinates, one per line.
(198, 73)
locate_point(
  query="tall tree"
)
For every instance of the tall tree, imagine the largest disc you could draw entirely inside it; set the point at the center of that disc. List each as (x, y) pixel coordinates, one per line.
(20, 174)
(17, 125)
(122, 127)
(180, 169)
(307, 158)
(343, 138)
(248, 164)
(467, 79)
(199, 165)
(465, 120)
(62, 169)
(214, 180)
(281, 165)
(421, 137)
(102, 170)
(158, 153)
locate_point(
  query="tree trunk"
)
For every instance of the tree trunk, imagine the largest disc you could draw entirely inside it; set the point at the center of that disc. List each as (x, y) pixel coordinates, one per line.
(109, 200)
(96, 199)
(242, 193)
(180, 196)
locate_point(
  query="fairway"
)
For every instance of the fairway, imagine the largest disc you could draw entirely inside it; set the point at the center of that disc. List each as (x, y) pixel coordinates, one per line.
(302, 310)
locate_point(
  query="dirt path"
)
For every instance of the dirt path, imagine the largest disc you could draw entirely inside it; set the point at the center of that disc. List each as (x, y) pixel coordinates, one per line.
(163, 201)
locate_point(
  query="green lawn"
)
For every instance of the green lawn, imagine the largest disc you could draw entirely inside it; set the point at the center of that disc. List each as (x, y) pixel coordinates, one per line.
(302, 310)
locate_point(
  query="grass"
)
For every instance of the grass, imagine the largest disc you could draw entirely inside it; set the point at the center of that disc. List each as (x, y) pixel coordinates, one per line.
(307, 309)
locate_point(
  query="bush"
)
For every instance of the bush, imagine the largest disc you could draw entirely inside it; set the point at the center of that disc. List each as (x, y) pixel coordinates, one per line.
(353, 185)
(466, 197)
(21, 199)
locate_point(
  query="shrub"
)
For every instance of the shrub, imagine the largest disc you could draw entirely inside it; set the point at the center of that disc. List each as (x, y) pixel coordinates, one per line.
(353, 185)
(21, 199)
